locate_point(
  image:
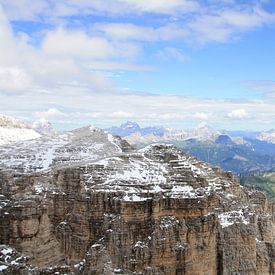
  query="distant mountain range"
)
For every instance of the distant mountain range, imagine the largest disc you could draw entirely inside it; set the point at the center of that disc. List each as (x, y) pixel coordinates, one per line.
(129, 128)
(242, 152)
(249, 157)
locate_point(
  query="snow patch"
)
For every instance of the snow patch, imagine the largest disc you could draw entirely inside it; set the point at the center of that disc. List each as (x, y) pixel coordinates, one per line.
(229, 218)
(11, 135)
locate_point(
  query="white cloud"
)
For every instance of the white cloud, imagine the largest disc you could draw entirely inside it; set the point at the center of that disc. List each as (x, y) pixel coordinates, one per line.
(76, 44)
(265, 87)
(51, 113)
(66, 58)
(14, 79)
(51, 9)
(201, 116)
(65, 71)
(222, 24)
(238, 114)
(109, 109)
(24, 9)
(163, 6)
(121, 114)
(169, 53)
(118, 66)
(217, 21)
(127, 31)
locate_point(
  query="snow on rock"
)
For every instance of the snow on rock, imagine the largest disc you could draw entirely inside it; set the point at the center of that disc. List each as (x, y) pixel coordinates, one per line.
(10, 257)
(268, 136)
(229, 218)
(12, 122)
(81, 145)
(14, 130)
(44, 127)
(113, 140)
(156, 170)
(11, 135)
(202, 132)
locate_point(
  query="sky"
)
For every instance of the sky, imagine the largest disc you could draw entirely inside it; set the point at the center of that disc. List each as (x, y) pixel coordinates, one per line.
(174, 63)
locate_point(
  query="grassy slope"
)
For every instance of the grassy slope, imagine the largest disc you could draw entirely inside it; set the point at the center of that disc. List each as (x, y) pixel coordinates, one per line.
(265, 183)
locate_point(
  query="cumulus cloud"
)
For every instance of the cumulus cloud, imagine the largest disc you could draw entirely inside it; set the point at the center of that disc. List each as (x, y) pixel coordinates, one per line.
(65, 58)
(51, 113)
(128, 31)
(201, 116)
(217, 21)
(238, 114)
(222, 24)
(76, 44)
(68, 67)
(14, 79)
(105, 110)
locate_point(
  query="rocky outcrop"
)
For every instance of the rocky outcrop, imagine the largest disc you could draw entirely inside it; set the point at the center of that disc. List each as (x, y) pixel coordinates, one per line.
(152, 211)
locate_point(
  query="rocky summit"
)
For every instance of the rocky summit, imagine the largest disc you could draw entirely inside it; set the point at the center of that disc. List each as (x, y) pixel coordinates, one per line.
(88, 203)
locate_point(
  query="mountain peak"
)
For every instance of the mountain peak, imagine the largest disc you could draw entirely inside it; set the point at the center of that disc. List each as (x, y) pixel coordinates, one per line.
(130, 125)
(14, 130)
(12, 122)
(204, 125)
(44, 127)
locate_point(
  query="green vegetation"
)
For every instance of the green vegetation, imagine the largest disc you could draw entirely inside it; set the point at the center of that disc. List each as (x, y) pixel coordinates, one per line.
(264, 182)
(241, 159)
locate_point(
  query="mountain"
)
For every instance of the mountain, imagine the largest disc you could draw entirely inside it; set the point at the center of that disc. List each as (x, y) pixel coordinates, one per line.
(251, 156)
(263, 181)
(15, 130)
(124, 129)
(268, 136)
(224, 139)
(243, 134)
(153, 130)
(80, 145)
(138, 136)
(202, 132)
(140, 140)
(240, 154)
(44, 127)
(97, 206)
(129, 128)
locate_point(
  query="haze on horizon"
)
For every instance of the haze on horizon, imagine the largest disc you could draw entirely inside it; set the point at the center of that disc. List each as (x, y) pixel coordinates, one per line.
(174, 63)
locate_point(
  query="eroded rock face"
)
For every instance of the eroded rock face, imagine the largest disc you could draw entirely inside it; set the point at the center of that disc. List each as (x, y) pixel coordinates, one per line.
(152, 211)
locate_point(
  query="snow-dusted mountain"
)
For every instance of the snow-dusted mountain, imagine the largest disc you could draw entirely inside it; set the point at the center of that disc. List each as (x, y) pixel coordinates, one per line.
(15, 130)
(129, 128)
(202, 132)
(80, 145)
(268, 136)
(44, 127)
(139, 140)
(125, 129)
(86, 203)
(132, 132)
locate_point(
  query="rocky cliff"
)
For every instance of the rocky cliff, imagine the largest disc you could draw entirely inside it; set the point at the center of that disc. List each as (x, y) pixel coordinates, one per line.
(100, 207)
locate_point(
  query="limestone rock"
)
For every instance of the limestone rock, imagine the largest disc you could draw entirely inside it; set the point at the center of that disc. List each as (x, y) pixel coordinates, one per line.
(110, 209)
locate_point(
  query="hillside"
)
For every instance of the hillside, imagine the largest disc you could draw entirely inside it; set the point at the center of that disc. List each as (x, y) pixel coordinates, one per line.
(264, 182)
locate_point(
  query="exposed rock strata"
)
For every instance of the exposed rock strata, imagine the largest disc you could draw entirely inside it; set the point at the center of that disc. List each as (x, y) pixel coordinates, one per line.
(152, 211)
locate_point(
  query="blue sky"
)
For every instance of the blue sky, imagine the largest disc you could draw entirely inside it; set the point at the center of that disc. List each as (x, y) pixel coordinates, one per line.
(176, 63)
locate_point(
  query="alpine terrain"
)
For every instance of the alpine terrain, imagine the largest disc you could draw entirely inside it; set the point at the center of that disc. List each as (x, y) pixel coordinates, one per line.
(86, 202)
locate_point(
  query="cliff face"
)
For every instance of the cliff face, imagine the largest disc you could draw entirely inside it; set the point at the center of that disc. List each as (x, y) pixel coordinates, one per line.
(152, 211)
